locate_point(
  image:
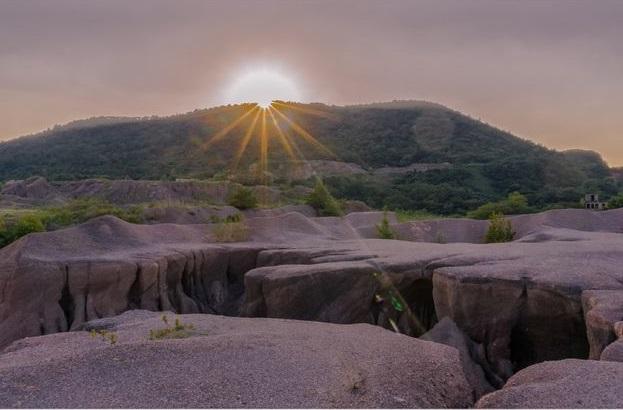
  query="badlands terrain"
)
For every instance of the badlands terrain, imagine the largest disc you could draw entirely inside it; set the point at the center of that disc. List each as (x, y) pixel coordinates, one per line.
(310, 311)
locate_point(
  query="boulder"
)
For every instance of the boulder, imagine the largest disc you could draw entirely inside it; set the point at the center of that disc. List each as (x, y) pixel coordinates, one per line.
(567, 383)
(231, 362)
(602, 309)
(614, 351)
(472, 355)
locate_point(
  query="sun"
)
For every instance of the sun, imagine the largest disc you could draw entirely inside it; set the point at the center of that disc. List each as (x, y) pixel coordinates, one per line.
(262, 86)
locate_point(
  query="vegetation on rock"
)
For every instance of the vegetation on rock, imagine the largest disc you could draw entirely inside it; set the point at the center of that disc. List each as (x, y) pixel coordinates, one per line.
(500, 229)
(322, 201)
(383, 229)
(243, 198)
(514, 204)
(177, 330)
(15, 224)
(231, 229)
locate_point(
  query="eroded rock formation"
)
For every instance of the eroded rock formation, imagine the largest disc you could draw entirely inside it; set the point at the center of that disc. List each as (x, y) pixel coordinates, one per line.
(553, 294)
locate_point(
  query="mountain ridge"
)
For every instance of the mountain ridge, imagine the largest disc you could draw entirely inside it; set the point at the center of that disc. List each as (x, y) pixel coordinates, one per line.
(487, 163)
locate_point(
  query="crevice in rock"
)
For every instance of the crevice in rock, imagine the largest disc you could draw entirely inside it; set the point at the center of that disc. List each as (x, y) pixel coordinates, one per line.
(66, 301)
(134, 294)
(548, 328)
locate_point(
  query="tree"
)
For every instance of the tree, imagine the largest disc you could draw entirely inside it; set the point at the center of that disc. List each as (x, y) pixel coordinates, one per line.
(322, 201)
(243, 198)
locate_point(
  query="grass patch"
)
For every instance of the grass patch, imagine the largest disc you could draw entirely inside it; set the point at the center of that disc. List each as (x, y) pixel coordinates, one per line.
(233, 228)
(15, 224)
(177, 330)
(104, 335)
(403, 215)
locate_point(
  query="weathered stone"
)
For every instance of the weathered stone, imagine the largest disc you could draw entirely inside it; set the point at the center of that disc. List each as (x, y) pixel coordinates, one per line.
(472, 359)
(567, 383)
(602, 309)
(231, 362)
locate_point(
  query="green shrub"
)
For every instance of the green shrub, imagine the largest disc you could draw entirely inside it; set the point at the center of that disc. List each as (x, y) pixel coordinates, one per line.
(322, 200)
(616, 202)
(514, 204)
(243, 198)
(500, 229)
(11, 231)
(383, 229)
(13, 227)
(81, 210)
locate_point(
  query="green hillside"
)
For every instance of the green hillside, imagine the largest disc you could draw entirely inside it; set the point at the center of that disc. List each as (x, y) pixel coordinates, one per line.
(485, 163)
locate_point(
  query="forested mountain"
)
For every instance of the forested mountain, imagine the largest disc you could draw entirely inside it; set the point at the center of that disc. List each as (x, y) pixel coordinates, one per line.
(485, 163)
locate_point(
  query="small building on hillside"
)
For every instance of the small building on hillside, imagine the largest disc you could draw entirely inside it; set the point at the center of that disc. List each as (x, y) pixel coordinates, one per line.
(591, 201)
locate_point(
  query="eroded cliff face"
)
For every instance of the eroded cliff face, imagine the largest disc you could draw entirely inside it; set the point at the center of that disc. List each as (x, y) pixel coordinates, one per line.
(518, 304)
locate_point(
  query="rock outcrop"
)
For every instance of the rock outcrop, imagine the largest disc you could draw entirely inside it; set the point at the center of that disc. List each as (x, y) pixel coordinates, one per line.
(546, 297)
(561, 384)
(231, 362)
(472, 355)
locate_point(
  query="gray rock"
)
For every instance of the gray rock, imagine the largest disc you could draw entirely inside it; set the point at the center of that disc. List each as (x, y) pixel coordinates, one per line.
(232, 362)
(567, 383)
(472, 358)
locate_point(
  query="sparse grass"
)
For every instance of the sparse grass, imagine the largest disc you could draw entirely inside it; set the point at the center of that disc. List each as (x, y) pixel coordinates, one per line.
(231, 229)
(177, 330)
(105, 336)
(415, 215)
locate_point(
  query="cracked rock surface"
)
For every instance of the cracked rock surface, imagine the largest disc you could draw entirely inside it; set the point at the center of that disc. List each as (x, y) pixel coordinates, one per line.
(231, 362)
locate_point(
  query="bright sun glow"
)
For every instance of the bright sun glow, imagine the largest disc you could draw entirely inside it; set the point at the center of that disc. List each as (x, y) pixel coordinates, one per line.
(262, 86)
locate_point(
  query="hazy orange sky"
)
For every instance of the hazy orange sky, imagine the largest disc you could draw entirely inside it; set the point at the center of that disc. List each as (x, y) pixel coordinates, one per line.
(551, 71)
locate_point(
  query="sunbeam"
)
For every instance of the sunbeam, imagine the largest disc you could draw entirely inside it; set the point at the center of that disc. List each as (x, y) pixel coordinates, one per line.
(306, 135)
(304, 110)
(245, 140)
(222, 133)
(283, 138)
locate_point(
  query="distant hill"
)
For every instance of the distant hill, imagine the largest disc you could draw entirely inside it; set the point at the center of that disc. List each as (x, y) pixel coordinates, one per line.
(478, 162)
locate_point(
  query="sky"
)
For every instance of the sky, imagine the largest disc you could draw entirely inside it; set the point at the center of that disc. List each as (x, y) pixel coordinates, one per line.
(550, 71)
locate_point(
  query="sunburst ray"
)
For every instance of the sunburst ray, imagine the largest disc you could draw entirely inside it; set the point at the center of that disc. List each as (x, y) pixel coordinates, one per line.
(304, 134)
(283, 138)
(304, 110)
(245, 140)
(222, 133)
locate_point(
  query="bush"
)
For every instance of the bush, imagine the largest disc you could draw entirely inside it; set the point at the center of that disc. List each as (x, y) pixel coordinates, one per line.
(81, 210)
(13, 227)
(514, 204)
(500, 229)
(11, 231)
(383, 229)
(616, 202)
(322, 201)
(243, 198)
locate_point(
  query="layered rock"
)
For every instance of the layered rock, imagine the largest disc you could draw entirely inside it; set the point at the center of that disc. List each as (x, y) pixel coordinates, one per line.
(524, 302)
(231, 362)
